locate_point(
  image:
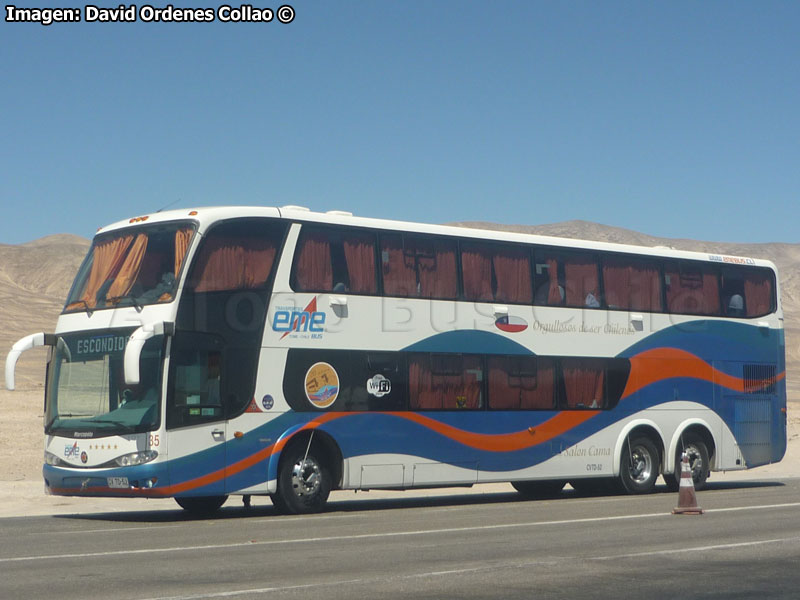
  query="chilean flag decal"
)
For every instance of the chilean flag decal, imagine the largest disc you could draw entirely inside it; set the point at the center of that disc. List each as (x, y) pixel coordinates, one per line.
(511, 324)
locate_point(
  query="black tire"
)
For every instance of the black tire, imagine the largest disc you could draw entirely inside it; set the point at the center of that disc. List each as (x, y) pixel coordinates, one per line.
(201, 505)
(639, 465)
(699, 463)
(304, 482)
(539, 489)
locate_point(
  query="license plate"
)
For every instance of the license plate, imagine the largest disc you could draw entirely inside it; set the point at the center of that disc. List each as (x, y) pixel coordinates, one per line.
(118, 482)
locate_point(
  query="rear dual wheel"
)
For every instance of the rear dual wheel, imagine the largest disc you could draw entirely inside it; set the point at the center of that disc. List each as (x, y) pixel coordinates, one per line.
(639, 465)
(699, 463)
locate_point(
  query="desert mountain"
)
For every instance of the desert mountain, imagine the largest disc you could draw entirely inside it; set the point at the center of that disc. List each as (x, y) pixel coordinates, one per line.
(35, 279)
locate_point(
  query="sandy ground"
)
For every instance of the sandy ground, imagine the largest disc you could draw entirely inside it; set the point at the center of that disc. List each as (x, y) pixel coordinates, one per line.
(22, 488)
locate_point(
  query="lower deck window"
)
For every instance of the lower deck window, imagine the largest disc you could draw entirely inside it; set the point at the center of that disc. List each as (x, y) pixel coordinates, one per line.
(445, 382)
(521, 383)
(584, 382)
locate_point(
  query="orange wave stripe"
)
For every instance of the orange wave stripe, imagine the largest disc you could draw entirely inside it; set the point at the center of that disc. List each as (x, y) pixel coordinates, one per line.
(505, 442)
(659, 364)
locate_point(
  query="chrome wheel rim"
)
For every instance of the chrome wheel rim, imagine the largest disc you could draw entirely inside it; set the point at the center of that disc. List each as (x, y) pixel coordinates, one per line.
(306, 477)
(695, 461)
(641, 466)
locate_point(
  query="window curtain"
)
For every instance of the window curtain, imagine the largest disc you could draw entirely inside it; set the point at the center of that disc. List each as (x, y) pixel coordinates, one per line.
(225, 264)
(476, 265)
(182, 239)
(130, 268)
(513, 274)
(429, 390)
(418, 269)
(581, 280)
(583, 383)
(632, 285)
(758, 295)
(520, 392)
(359, 253)
(420, 386)
(399, 278)
(438, 277)
(314, 270)
(107, 258)
(693, 293)
(555, 297)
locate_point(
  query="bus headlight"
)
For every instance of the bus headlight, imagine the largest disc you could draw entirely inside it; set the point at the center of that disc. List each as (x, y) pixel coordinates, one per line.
(136, 458)
(53, 460)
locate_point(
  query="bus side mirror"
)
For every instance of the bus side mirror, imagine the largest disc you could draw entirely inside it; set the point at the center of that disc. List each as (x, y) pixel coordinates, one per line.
(26, 343)
(133, 349)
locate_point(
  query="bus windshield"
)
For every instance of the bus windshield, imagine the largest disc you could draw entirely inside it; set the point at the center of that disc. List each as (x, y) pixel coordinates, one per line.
(86, 390)
(131, 267)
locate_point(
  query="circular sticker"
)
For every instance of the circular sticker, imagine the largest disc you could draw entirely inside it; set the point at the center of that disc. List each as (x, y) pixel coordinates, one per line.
(267, 402)
(322, 385)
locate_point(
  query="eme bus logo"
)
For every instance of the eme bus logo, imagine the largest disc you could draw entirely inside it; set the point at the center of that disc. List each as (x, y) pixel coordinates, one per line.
(292, 320)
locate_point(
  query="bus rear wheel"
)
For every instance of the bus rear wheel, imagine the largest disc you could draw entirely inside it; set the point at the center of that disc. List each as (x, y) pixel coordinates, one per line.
(201, 505)
(638, 469)
(304, 482)
(697, 452)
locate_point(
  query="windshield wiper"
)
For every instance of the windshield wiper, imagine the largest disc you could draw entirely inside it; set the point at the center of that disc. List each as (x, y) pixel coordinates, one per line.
(88, 308)
(133, 300)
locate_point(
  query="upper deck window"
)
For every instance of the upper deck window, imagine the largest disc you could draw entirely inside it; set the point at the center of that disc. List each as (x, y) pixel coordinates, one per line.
(331, 260)
(419, 267)
(567, 279)
(496, 273)
(131, 267)
(236, 255)
(747, 292)
(632, 284)
(692, 288)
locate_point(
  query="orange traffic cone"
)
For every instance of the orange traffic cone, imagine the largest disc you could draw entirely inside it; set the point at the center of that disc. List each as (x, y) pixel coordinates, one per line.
(687, 501)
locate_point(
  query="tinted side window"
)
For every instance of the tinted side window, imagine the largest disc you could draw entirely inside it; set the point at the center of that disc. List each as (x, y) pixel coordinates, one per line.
(584, 382)
(496, 273)
(567, 279)
(236, 255)
(692, 288)
(747, 292)
(419, 267)
(445, 382)
(521, 383)
(632, 284)
(331, 260)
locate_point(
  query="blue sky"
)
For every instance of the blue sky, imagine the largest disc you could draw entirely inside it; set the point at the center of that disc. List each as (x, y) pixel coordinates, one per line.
(678, 119)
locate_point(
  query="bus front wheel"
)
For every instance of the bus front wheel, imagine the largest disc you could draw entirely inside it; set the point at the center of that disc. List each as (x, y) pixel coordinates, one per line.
(639, 465)
(201, 505)
(304, 481)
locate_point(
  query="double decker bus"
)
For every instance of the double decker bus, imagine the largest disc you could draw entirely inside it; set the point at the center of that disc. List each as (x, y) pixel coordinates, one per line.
(283, 352)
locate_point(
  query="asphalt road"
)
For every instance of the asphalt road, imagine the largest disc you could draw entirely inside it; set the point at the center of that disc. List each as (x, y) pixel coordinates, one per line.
(747, 545)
